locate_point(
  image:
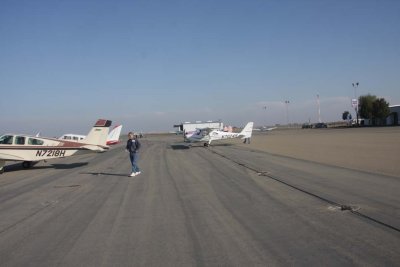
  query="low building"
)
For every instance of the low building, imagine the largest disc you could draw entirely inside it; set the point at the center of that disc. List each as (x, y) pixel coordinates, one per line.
(393, 118)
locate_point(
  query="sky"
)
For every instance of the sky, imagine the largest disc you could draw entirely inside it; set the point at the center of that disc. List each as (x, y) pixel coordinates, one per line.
(151, 64)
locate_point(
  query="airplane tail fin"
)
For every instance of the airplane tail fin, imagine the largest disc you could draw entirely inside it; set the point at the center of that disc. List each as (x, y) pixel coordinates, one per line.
(247, 130)
(98, 134)
(113, 136)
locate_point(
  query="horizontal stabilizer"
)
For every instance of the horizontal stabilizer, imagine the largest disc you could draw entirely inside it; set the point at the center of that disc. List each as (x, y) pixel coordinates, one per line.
(95, 148)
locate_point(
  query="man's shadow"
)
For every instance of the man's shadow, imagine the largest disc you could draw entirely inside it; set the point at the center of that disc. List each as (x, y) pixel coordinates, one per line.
(105, 173)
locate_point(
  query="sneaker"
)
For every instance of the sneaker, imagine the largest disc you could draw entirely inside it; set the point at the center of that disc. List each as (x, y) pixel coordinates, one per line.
(133, 174)
(139, 172)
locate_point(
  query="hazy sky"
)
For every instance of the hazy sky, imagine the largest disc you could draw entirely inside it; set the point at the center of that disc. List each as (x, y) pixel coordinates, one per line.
(152, 64)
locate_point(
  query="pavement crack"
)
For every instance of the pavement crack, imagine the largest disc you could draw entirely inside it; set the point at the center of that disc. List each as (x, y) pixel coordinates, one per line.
(341, 207)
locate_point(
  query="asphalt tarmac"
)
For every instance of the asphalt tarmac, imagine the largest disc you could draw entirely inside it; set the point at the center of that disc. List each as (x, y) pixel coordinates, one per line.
(227, 205)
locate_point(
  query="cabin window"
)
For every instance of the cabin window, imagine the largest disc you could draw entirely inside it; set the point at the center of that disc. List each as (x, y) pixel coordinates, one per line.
(6, 139)
(67, 137)
(35, 142)
(75, 138)
(20, 140)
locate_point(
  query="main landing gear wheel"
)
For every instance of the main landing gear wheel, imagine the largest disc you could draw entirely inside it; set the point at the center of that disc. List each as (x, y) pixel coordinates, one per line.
(26, 164)
(2, 163)
(206, 144)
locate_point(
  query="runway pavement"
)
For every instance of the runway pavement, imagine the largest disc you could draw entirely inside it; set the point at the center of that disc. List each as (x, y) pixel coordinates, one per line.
(227, 205)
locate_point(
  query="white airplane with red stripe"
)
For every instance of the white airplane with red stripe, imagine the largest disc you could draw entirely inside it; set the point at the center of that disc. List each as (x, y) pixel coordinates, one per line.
(112, 139)
(207, 135)
(32, 149)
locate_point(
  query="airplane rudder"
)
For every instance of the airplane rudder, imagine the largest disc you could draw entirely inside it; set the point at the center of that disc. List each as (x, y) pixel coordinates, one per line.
(248, 129)
(99, 132)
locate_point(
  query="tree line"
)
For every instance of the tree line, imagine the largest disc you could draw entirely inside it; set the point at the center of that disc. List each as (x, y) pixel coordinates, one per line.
(371, 107)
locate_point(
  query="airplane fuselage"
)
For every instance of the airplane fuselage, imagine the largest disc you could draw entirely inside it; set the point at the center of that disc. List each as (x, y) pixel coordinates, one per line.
(212, 136)
(44, 149)
(38, 153)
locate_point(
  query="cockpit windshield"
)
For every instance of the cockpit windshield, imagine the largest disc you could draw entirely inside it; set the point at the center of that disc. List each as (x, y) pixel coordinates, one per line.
(6, 139)
(202, 132)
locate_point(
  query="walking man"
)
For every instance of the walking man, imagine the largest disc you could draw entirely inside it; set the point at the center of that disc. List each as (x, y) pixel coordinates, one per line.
(133, 146)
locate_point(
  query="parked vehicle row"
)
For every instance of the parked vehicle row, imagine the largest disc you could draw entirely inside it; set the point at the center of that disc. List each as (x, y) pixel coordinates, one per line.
(315, 125)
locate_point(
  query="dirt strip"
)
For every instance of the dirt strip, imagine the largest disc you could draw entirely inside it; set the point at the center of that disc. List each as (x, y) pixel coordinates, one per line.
(370, 149)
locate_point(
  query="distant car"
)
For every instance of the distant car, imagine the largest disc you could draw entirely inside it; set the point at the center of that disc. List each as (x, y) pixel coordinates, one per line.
(354, 122)
(320, 125)
(306, 125)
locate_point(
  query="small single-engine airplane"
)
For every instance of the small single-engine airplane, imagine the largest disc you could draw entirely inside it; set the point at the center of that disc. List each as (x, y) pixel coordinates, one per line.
(32, 149)
(207, 135)
(112, 138)
(265, 129)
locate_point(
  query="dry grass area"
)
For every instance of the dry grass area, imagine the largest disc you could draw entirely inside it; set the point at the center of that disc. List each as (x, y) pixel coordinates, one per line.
(370, 149)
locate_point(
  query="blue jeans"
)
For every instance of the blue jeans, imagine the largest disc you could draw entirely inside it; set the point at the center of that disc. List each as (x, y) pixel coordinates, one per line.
(134, 158)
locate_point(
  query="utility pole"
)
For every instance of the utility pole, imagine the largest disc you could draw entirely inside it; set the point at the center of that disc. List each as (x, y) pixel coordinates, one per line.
(265, 108)
(287, 112)
(319, 109)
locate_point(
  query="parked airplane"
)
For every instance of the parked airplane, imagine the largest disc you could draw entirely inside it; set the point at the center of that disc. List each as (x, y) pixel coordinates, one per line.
(32, 149)
(112, 138)
(207, 135)
(72, 137)
(188, 134)
(265, 129)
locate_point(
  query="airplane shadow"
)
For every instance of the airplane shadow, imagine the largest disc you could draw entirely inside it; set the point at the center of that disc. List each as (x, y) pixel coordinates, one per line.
(105, 173)
(178, 147)
(221, 145)
(69, 166)
(181, 146)
(18, 166)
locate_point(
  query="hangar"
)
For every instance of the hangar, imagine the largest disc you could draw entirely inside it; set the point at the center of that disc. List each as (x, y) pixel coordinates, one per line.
(187, 127)
(393, 118)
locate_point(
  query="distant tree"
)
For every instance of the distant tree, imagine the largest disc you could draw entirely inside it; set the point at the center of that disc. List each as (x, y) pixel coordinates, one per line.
(365, 103)
(380, 110)
(345, 115)
(373, 108)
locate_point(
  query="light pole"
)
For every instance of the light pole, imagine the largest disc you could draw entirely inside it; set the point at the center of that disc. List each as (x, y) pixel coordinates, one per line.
(319, 109)
(355, 85)
(265, 108)
(287, 111)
